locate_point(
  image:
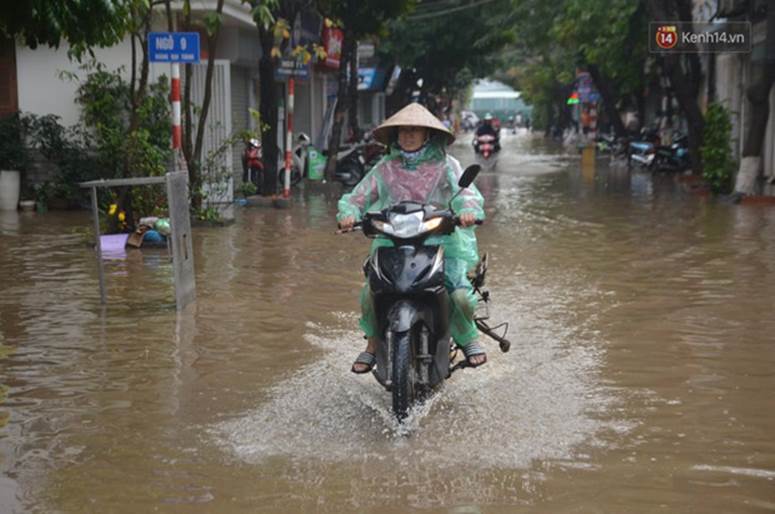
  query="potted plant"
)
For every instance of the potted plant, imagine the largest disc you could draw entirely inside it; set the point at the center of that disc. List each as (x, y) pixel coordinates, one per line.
(27, 202)
(42, 195)
(14, 159)
(247, 189)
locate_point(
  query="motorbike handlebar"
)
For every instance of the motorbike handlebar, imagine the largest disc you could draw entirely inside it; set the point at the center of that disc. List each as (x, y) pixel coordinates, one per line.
(358, 225)
(476, 222)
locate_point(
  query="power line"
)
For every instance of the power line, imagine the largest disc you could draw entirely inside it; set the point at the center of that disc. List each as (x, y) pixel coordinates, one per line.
(448, 11)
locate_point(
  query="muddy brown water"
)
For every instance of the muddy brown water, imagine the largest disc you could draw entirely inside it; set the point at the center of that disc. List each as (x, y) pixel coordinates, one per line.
(641, 377)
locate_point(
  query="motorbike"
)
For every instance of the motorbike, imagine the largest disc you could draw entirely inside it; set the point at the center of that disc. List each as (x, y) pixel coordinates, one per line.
(673, 157)
(651, 154)
(485, 145)
(415, 354)
(252, 166)
(609, 144)
(643, 151)
(299, 155)
(355, 160)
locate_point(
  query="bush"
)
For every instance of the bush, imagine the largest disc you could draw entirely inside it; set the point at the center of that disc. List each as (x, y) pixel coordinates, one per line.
(716, 151)
(73, 153)
(13, 142)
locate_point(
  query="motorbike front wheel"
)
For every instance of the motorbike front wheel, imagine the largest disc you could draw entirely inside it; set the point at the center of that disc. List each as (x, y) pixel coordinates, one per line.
(404, 387)
(295, 177)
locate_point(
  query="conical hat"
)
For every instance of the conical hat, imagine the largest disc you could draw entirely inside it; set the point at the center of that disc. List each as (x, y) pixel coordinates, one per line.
(414, 115)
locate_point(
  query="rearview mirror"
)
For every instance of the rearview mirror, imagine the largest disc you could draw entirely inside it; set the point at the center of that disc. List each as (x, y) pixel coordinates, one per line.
(468, 176)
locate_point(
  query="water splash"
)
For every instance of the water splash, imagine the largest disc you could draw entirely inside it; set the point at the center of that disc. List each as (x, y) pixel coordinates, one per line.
(536, 402)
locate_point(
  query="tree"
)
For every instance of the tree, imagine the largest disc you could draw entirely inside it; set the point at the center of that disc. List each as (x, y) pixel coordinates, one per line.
(193, 141)
(763, 72)
(608, 38)
(684, 73)
(610, 41)
(358, 19)
(272, 18)
(448, 46)
(536, 64)
(84, 24)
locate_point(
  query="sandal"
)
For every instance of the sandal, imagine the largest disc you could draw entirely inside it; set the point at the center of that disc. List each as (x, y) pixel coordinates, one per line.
(473, 349)
(364, 358)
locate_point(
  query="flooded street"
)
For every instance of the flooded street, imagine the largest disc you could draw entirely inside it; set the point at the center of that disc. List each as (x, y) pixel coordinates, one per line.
(641, 376)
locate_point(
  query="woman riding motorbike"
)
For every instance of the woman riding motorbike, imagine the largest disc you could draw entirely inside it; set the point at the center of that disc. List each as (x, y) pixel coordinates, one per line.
(417, 168)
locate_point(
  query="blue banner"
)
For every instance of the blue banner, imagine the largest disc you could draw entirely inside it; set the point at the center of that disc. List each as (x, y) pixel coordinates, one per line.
(182, 47)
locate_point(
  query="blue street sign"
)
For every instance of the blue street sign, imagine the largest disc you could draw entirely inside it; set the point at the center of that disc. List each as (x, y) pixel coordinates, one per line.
(173, 47)
(292, 67)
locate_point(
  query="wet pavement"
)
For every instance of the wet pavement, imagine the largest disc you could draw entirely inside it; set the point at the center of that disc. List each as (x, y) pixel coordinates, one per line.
(641, 375)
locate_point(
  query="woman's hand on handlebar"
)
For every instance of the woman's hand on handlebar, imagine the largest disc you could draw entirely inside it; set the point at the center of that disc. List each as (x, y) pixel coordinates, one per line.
(467, 219)
(347, 223)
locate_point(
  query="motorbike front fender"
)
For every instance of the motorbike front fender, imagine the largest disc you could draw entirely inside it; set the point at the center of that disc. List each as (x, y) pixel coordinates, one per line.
(403, 315)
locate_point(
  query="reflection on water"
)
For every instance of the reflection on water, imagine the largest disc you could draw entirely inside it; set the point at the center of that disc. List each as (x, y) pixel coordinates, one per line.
(640, 375)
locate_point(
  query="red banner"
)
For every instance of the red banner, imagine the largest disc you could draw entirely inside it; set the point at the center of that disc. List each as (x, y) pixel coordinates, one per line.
(332, 43)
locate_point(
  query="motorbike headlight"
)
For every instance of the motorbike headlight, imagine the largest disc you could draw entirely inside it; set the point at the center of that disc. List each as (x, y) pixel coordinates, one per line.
(382, 226)
(407, 225)
(431, 224)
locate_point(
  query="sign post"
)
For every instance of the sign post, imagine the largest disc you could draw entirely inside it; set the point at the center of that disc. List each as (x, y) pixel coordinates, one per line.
(174, 48)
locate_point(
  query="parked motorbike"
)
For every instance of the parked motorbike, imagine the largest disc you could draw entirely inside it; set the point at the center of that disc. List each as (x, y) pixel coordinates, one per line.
(299, 155)
(649, 153)
(355, 160)
(643, 150)
(252, 166)
(411, 302)
(609, 144)
(673, 157)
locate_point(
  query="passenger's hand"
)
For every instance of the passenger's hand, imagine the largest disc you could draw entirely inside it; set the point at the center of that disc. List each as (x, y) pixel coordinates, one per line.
(347, 223)
(467, 219)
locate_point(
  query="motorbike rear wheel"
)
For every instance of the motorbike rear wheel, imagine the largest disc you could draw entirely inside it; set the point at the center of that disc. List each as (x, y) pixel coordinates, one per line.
(404, 387)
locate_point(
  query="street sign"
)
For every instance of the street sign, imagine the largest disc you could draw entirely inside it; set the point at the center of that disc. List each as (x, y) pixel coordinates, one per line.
(292, 67)
(182, 47)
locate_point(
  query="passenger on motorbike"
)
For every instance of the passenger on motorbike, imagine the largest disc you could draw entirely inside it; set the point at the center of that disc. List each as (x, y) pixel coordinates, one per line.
(417, 168)
(487, 128)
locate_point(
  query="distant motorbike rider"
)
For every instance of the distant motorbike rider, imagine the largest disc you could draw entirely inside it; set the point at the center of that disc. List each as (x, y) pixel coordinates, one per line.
(488, 129)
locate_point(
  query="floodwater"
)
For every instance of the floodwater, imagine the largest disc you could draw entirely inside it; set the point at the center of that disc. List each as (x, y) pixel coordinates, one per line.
(641, 376)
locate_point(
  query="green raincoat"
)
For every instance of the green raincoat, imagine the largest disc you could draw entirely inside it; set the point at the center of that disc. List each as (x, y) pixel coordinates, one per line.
(426, 176)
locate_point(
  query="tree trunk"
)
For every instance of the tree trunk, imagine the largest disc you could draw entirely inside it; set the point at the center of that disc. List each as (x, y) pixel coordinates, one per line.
(341, 105)
(685, 83)
(212, 42)
(687, 99)
(758, 93)
(268, 108)
(168, 13)
(187, 143)
(609, 99)
(352, 95)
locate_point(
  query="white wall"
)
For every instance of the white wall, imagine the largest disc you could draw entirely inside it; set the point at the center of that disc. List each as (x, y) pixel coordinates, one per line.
(42, 91)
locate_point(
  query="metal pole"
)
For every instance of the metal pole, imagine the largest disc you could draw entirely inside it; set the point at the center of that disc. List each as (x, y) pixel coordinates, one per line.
(98, 245)
(289, 140)
(176, 129)
(175, 97)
